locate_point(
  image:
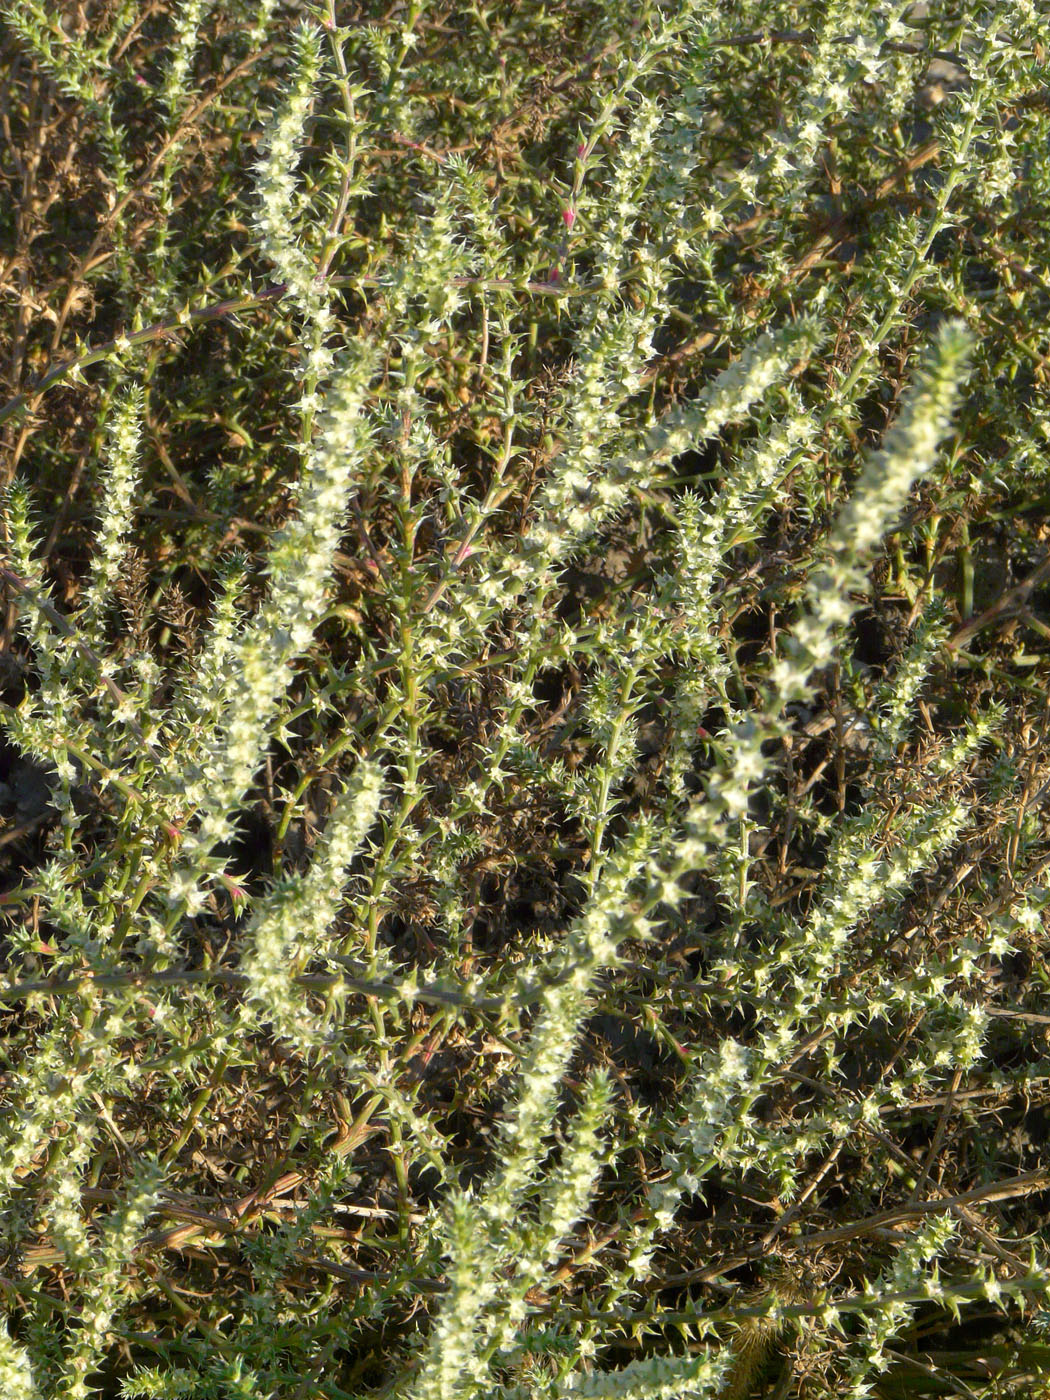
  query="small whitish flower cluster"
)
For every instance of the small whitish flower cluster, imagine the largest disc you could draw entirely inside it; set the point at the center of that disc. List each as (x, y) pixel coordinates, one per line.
(676, 158)
(199, 696)
(188, 17)
(16, 1371)
(975, 731)
(704, 535)
(54, 722)
(1028, 913)
(63, 1214)
(857, 881)
(43, 1094)
(730, 397)
(571, 1184)
(21, 551)
(260, 25)
(789, 984)
(451, 1368)
(619, 202)
(737, 513)
(421, 292)
(908, 449)
(290, 926)
(637, 183)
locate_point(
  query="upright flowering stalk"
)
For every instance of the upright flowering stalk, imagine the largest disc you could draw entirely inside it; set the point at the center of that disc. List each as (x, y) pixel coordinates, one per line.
(254, 673)
(121, 481)
(175, 93)
(256, 676)
(873, 506)
(105, 1269)
(290, 926)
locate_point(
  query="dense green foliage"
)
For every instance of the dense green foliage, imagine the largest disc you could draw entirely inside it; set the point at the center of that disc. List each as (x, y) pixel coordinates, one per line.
(524, 760)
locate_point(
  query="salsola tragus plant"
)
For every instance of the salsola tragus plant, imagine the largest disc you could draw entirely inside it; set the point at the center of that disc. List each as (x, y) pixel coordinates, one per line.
(525, 788)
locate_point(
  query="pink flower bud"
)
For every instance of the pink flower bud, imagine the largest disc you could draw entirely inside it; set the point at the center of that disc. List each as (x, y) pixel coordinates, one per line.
(235, 891)
(568, 217)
